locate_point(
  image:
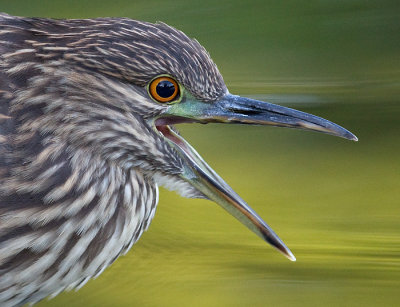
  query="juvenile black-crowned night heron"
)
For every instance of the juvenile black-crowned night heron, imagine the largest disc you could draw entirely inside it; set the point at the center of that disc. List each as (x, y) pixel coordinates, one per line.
(86, 138)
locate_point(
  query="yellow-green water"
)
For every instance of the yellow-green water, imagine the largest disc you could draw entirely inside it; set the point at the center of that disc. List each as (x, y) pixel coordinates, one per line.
(334, 202)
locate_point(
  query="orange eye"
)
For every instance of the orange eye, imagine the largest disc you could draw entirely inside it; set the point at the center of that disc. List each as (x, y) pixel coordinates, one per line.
(164, 89)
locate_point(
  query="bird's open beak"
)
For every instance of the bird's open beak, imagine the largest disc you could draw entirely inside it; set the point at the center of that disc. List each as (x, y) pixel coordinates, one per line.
(236, 109)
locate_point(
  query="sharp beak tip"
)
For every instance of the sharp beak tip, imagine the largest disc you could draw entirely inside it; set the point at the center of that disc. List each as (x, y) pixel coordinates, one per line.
(291, 257)
(347, 135)
(286, 252)
(350, 136)
(280, 247)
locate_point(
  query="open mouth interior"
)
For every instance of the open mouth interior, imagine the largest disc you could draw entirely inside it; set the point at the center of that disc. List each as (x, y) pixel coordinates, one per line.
(162, 125)
(167, 132)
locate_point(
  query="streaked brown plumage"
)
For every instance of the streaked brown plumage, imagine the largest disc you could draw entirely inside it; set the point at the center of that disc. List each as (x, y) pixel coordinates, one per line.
(74, 157)
(83, 147)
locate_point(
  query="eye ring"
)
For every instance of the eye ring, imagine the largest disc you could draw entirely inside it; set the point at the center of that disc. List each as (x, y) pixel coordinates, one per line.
(163, 89)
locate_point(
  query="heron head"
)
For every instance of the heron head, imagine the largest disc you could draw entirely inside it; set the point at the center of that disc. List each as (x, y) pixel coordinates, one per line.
(117, 90)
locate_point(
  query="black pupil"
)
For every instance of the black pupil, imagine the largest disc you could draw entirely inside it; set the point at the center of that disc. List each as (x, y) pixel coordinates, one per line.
(165, 89)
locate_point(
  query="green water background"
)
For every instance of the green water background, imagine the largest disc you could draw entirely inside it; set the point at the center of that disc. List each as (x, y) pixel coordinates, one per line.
(334, 202)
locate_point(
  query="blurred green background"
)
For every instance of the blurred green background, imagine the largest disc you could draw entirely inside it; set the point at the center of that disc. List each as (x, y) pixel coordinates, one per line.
(335, 203)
